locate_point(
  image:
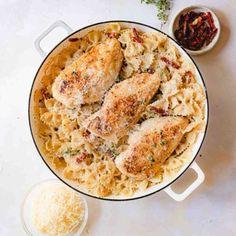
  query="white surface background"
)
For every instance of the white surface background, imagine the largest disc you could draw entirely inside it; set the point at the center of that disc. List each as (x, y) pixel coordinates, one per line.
(210, 210)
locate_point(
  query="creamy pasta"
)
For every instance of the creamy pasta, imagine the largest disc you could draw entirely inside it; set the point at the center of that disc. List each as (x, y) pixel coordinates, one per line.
(88, 160)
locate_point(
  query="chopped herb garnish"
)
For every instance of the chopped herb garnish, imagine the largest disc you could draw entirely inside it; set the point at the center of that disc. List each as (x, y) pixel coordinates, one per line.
(72, 152)
(86, 76)
(112, 150)
(113, 145)
(74, 73)
(154, 145)
(142, 101)
(161, 75)
(118, 79)
(151, 159)
(149, 114)
(115, 153)
(163, 142)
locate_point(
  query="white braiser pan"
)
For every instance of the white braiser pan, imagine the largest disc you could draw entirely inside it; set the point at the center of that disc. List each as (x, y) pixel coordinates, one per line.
(166, 186)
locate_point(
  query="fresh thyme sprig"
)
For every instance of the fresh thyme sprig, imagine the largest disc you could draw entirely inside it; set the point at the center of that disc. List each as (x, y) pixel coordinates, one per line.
(163, 8)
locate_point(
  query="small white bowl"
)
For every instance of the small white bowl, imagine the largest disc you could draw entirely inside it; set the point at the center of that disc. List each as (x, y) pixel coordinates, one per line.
(26, 207)
(198, 8)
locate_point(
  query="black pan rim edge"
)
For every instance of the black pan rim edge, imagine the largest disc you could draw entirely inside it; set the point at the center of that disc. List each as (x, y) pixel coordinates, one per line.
(121, 199)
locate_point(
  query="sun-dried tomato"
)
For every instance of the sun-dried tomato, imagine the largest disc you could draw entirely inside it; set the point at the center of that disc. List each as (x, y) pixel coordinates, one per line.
(195, 30)
(171, 63)
(136, 37)
(81, 157)
(64, 85)
(112, 35)
(187, 77)
(151, 70)
(45, 94)
(160, 111)
(210, 20)
(73, 40)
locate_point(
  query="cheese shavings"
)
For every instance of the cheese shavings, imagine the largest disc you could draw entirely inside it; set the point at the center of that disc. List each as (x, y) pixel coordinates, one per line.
(57, 210)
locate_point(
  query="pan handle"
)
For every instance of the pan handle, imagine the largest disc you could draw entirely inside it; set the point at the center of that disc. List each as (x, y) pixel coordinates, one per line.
(56, 24)
(181, 196)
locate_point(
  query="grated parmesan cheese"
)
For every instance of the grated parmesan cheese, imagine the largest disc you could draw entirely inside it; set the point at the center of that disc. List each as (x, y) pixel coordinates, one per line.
(57, 210)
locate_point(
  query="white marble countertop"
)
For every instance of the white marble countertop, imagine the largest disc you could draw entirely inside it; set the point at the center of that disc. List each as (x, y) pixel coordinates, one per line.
(210, 210)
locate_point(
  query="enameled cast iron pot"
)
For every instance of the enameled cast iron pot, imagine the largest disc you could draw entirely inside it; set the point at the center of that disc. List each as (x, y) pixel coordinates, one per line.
(166, 186)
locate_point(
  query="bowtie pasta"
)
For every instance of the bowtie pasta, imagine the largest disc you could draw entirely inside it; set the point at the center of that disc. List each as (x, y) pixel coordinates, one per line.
(88, 160)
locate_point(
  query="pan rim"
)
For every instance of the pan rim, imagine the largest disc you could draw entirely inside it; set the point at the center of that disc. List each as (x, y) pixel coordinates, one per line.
(131, 198)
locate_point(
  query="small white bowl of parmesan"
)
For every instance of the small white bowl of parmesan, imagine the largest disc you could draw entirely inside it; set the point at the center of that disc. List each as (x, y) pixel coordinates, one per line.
(52, 208)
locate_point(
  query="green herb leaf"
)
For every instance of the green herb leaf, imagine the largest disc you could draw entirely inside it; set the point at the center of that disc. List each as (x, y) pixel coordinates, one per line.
(142, 101)
(118, 79)
(154, 145)
(151, 159)
(163, 142)
(163, 7)
(71, 152)
(113, 150)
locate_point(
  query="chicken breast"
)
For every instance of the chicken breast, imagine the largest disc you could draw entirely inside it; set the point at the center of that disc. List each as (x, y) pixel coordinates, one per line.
(122, 106)
(87, 79)
(150, 146)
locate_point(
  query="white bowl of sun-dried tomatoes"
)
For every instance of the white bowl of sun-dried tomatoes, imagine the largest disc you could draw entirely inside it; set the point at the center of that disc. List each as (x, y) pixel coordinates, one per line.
(195, 28)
